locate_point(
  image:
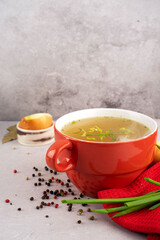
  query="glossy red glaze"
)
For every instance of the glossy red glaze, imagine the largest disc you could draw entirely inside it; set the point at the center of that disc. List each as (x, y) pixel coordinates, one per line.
(94, 166)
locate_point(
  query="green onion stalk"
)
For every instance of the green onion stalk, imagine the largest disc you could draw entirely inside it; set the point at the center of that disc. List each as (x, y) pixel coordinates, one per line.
(129, 205)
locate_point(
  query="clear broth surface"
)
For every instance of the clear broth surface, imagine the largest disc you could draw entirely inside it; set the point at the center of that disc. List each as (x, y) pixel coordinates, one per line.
(105, 129)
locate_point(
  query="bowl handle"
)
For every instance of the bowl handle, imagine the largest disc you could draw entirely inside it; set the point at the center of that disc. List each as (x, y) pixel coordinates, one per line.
(52, 155)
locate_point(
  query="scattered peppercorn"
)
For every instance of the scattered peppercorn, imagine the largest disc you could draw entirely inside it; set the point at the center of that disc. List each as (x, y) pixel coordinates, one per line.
(36, 169)
(79, 221)
(42, 179)
(52, 178)
(55, 172)
(27, 178)
(39, 184)
(31, 198)
(39, 174)
(19, 209)
(69, 208)
(80, 210)
(67, 185)
(55, 197)
(68, 180)
(48, 204)
(41, 206)
(37, 207)
(39, 179)
(69, 190)
(84, 204)
(33, 175)
(91, 218)
(7, 200)
(56, 205)
(52, 203)
(88, 210)
(46, 216)
(46, 168)
(35, 184)
(47, 190)
(81, 195)
(15, 171)
(51, 171)
(51, 192)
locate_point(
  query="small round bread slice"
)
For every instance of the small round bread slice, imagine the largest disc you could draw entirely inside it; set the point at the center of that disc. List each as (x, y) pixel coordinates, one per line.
(36, 121)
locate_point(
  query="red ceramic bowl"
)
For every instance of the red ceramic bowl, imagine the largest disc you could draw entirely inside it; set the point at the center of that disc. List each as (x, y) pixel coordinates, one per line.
(94, 166)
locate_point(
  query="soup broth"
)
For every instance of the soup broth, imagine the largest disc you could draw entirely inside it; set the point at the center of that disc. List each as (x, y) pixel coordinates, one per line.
(105, 129)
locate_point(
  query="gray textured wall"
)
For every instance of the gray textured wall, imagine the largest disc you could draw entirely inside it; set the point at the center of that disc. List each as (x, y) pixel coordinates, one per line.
(59, 56)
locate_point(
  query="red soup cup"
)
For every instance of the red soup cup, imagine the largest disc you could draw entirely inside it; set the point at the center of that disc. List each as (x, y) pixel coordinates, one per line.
(94, 166)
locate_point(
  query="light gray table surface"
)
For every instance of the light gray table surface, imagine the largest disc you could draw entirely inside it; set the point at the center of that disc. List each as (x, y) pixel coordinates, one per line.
(30, 223)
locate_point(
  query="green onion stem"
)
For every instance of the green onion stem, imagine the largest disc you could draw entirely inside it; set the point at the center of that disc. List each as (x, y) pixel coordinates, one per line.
(149, 199)
(107, 200)
(155, 206)
(110, 210)
(152, 181)
(131, 209)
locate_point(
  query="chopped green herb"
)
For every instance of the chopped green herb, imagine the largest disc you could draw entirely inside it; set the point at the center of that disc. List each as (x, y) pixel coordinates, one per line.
(73, 122)
(122, 129)
(78, 131)
(89, 138)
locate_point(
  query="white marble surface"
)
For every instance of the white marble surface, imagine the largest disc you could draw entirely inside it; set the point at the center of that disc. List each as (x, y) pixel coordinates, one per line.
(61, 56)
(30, 223)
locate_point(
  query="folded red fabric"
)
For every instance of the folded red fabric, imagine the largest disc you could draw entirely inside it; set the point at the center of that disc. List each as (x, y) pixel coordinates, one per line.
(144, 221)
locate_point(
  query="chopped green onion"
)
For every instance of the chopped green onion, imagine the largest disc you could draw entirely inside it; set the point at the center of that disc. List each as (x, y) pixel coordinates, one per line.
(89, 138)
(73, 122)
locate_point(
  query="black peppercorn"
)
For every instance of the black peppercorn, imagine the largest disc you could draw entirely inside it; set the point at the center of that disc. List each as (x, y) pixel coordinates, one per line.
(55, 172)
(79, 221)
(31, 198)
(19, 209)
(33, 175)
(35, 184)
(68, 180)
(84, 204)
(81, 195)
(39, 174)
(51, 171)
(91, 218)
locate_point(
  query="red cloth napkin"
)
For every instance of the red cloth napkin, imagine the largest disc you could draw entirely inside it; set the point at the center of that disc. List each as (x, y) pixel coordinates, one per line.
(144, 221)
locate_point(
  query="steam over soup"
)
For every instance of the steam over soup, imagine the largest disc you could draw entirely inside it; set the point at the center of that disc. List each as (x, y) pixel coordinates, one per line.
(105, 129)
